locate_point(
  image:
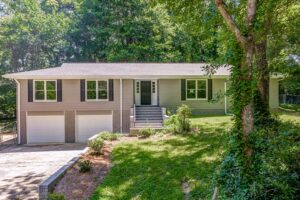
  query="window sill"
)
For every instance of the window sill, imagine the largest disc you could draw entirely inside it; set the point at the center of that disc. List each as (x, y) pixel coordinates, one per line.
(96, 100)
(45, 101)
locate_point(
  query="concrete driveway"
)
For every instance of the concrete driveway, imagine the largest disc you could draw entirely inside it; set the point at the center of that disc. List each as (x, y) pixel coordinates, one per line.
(23, 168)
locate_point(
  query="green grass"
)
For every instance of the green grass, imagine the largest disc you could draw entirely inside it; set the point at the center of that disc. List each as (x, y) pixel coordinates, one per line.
(155, 170)
(294, 107)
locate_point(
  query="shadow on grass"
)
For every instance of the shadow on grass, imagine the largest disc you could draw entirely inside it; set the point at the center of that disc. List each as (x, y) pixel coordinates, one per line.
(156, 169)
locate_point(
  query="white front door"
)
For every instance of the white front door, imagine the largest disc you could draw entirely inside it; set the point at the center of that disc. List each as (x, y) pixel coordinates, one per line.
(139, 94)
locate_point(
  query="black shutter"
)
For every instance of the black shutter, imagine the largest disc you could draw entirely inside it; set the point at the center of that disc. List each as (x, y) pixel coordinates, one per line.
(30, 90)
(82, 90)
(59, 90)
(111, 89)
(183, 90)
(209, 81)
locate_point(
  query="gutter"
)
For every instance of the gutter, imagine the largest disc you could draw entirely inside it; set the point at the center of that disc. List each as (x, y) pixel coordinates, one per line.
(225, 97)
(121, 105)
(18, 111)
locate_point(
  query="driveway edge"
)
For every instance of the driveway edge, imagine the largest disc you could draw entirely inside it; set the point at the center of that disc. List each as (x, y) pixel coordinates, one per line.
(47, 186)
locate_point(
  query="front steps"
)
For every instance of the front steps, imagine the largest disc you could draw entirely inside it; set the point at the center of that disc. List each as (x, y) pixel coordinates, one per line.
(147, 117)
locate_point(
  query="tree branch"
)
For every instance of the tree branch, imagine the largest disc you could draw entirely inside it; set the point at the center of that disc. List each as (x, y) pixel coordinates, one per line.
(251, 12)
(230, 22)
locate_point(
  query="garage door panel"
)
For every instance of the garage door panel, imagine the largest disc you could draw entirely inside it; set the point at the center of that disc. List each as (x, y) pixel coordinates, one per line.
(46, 129)
(89, 125)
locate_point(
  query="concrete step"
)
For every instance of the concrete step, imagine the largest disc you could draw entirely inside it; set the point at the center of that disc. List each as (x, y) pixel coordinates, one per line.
(148, 115)
(148, 109)
(145, 125)
(149, 118)
(148, 121)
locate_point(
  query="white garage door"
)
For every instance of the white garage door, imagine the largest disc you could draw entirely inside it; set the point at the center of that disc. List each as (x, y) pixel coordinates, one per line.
(46, 129)
(89, 125)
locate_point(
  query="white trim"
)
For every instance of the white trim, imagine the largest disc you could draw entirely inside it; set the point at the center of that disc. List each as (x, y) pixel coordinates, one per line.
(137, 95)
(196, 89)
(154, 96)
(97, 90)
(121, 105)
(18, 112)
(45, 91)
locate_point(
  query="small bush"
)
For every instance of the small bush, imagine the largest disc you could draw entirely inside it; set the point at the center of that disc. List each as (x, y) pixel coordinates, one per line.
(56, 196)
(85, 166)
(146, 132)
(183, 113)
(109, 136)
(96, 144)
(180, 122)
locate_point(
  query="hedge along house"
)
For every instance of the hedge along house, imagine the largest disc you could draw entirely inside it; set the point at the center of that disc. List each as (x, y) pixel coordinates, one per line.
(77, 100)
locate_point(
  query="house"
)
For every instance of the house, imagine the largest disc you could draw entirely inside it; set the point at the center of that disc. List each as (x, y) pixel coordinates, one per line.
(77, 100)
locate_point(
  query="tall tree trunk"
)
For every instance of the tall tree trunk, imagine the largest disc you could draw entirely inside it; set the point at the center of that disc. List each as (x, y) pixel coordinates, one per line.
(263, 71)
(246, 42)
(261, 104)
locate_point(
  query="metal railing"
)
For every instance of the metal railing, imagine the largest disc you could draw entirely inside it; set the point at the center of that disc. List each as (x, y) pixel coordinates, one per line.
(134, 113)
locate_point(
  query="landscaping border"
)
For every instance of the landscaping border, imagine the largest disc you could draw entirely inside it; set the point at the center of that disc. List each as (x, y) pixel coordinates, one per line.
(48, 185)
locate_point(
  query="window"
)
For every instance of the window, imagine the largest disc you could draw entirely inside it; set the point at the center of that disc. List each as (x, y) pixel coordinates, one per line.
(196, 89)
(45, 90)
(153, 87)
(137, 87)
(96, 90)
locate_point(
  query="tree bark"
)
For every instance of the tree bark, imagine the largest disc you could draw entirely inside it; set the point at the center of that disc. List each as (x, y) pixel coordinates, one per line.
(246, 43)
(263, 71)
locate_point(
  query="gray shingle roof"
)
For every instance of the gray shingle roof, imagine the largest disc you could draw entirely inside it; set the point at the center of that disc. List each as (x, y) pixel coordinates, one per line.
(121, 70)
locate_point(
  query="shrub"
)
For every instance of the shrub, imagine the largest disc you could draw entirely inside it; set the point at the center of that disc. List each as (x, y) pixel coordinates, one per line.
(85, 166)
(109, 136)
(183, 113)
(56, 196)
(171, 124)
(96, 144)
(180, 122)
(146, 132)
(275, 167)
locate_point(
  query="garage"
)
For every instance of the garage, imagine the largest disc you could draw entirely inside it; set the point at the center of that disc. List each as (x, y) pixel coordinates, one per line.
(89, 125)
(45, 129)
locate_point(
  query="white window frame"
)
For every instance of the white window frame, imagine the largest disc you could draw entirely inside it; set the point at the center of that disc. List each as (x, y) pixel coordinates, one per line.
(45, 91)
(196, 80)
(97, 90)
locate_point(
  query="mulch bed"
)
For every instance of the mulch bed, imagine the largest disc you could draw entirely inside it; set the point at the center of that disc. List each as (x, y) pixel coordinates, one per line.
(75, 185)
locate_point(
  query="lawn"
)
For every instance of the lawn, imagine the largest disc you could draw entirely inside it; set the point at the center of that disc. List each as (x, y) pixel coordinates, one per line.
(156, 169)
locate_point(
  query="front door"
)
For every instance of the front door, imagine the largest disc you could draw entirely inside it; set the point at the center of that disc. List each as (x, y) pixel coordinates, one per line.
(145, 92)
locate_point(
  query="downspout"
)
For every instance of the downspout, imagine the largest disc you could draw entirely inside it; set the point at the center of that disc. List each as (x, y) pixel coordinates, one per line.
(225, 97)
(18, 111)
(121, 105)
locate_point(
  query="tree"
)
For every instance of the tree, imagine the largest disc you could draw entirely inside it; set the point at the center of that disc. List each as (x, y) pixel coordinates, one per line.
(32, 36)
(123, 31)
